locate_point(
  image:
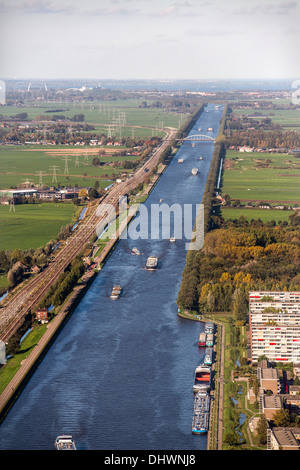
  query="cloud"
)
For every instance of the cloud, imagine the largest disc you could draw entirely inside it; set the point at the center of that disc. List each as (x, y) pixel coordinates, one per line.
(212, 32)
(177, 9)
(282, 8)
(111, 11)
(32, 7)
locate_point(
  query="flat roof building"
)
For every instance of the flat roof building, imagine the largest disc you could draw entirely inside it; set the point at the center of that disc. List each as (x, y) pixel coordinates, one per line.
(269, 379)
(269, 404)
(283, 439)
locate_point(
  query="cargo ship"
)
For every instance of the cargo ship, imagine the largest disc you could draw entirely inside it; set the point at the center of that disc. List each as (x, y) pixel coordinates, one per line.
(201, 413)
(194, 171)
(209, 339)
(116, 292)
(200, 423)
(202, 378)
(151, 263)
(202, 402)
(202, 339)
(208, 357)
(64, 443)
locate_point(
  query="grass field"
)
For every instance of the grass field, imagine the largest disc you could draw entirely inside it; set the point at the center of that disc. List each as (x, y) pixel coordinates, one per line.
(103, 113)
(244, 179)
(21, 163)
(14, 363)
(290, 118)
(33, 225)
(263, 214)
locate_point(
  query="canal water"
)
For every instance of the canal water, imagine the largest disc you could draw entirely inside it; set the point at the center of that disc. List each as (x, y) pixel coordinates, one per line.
(120, 374)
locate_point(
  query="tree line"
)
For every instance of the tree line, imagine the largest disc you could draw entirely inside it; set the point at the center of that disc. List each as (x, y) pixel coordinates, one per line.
(235, 260)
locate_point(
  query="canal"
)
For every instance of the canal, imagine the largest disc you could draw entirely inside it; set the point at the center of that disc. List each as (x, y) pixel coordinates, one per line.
(120, 374)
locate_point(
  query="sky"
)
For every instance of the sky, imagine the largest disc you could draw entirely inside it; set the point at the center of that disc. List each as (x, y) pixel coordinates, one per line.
(149, 39)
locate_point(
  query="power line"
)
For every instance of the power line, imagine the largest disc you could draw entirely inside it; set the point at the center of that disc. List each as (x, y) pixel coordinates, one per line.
(54, 168)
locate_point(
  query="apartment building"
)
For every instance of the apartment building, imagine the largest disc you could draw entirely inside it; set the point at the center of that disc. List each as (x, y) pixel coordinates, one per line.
(274, 319)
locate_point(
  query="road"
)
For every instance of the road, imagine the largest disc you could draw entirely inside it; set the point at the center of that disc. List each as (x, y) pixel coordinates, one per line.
(28, 297)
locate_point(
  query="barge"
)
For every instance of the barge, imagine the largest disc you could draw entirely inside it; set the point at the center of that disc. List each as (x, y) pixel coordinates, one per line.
(64, 443)
(208, 357)
(201, 413)
(202, 339)
(209, 339)
(116, 292)
(209, 327)
(151, 263)
(200, 423)
(202, 379)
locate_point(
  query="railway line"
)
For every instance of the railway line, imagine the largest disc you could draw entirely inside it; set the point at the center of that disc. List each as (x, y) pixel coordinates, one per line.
(27, 298)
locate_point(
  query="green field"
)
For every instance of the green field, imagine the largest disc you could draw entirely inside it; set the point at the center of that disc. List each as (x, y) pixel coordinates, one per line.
(244, 179)
(289, 118)
(21, 163)
(103, 113)
(33, 225)
(263, 214)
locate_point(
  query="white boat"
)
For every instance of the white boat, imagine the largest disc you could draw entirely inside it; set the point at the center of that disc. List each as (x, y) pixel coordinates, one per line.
(64, 443)
(151, 263)
(135, 251)
(210, 129)
(200, 158)
(172, 239)
(180, 160)
(194, 171)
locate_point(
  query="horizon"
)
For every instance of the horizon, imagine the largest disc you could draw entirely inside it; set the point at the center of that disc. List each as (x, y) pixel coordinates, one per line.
(149, 40)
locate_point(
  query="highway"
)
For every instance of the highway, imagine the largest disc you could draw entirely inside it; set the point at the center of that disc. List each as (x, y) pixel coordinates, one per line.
(28, 297)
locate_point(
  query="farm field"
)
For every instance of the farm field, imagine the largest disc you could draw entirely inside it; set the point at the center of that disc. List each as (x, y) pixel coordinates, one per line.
(103, 113)
(33, 225)
(21, 163)
(244, 178)
(290, 118)
(265, 215)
